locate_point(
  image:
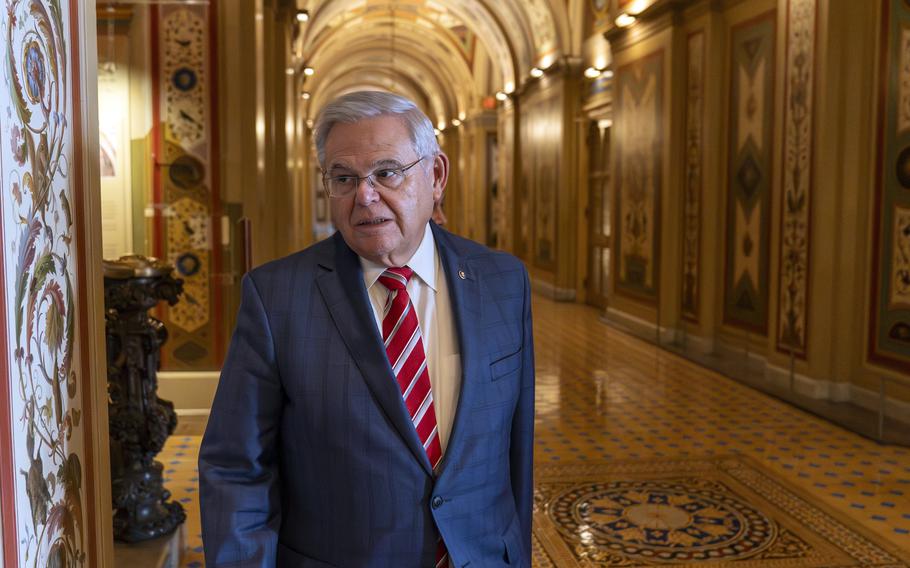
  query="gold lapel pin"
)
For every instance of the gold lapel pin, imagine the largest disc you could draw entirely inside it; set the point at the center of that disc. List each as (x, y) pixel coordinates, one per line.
(461, 274)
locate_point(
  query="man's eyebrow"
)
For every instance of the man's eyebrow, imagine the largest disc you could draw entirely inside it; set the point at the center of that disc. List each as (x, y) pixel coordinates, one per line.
(339, 166)
(384, 162)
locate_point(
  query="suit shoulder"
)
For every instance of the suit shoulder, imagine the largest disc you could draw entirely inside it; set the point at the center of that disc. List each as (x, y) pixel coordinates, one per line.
(300, 262)
(474, 251)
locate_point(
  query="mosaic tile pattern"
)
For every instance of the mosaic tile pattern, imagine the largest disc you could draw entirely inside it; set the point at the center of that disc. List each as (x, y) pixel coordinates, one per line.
(606, 397)
(181, 476)
(726, 511)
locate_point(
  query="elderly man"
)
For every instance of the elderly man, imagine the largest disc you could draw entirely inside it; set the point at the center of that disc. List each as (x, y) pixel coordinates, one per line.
(376, 407)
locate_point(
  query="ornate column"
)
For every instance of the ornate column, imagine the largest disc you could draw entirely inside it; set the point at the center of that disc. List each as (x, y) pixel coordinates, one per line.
(140, 422)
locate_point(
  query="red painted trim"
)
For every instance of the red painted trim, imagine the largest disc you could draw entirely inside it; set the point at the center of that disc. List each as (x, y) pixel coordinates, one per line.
(157, 150)
(644, 298)
(157, 157)
(692, 316)
(762, 328)
(215, 169)
(10, 552)
(79, 190)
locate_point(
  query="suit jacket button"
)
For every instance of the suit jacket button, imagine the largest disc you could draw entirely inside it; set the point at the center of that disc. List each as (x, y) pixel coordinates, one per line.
(437, 502)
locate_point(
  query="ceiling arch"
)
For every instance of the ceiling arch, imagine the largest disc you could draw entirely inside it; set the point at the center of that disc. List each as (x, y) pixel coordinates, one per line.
(437, 68)
(439, 39)
(333, 17)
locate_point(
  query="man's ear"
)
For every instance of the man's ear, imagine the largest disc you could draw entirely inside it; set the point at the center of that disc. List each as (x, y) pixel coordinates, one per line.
(440, 175)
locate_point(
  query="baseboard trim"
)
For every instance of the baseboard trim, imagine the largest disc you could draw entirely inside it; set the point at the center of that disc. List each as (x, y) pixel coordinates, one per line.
(551, 291)
(871, 400)
(189, 391)
(825, 398)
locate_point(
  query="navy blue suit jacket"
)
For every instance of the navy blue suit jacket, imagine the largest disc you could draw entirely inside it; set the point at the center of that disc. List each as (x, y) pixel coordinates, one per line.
(310, 458)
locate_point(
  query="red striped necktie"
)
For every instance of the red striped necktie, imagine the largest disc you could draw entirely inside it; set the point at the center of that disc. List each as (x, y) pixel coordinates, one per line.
(404, 347)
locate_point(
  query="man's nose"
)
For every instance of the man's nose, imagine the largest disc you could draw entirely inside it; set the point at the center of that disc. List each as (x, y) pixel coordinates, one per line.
(365, 192)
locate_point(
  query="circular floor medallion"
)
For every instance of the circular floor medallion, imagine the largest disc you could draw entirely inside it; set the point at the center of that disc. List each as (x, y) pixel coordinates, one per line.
(662, 521)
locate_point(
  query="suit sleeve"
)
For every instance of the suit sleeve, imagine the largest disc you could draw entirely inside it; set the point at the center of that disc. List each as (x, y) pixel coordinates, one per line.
(238, 462)
(522, 443)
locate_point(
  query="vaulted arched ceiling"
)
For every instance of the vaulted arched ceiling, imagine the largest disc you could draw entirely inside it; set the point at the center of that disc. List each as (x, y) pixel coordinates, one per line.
(433, 50)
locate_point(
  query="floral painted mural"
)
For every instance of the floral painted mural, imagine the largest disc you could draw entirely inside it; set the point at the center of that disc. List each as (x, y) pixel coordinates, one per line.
(40, 278)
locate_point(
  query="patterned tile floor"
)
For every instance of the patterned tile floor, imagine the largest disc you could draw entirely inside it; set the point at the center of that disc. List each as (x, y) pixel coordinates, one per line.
(179, 456)
(604, 396)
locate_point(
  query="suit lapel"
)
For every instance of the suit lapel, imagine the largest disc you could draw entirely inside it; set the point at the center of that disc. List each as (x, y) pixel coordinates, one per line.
(465, 297)
(341, 284)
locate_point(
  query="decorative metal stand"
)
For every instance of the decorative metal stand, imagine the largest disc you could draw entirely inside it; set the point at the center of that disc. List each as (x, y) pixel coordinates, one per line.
(140, 422)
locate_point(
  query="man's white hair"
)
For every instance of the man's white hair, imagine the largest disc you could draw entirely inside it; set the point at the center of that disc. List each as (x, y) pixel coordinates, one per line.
(359, 105)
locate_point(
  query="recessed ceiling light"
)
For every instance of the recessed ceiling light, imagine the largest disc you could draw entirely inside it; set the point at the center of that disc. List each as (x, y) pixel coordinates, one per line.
(638, 6)
(624, 20)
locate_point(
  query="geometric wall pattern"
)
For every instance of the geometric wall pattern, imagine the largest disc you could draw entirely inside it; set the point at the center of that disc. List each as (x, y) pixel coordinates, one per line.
(184, 183)
(799, 100)
(43, 484)
(890, 318)
(637, 143)
(749, 171)
(693, 179)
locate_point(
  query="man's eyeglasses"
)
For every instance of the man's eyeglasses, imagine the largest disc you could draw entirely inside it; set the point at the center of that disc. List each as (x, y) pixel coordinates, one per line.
(345, 184)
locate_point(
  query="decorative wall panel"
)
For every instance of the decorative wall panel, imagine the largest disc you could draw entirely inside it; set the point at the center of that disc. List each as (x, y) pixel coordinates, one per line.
(185, 184)
(749, 171)
(501, 209)
(638, 145)
(695, 101)
(523, 190)
(42, 431)
(541, 135)
(799, 102)
(889, 335)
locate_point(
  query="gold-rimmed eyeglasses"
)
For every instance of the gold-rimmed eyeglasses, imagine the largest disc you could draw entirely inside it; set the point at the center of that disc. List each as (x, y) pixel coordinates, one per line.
(342, 185)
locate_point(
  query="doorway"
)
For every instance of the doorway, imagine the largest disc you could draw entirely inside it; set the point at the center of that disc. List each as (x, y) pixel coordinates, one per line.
(598, 213)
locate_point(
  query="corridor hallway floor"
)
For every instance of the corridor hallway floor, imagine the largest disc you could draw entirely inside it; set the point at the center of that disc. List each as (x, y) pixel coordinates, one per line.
(643, 458)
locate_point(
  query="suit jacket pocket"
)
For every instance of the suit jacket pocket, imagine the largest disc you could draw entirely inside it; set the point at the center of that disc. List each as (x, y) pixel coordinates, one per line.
(290, 558)
(506, 366)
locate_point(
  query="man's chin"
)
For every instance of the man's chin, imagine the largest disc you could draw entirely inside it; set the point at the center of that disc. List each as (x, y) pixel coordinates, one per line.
(373, 249)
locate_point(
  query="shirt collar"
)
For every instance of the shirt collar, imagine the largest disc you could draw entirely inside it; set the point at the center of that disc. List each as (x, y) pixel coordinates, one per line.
(423, 263)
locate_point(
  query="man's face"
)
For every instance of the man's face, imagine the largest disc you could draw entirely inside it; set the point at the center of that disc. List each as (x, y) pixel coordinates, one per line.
(382, 225)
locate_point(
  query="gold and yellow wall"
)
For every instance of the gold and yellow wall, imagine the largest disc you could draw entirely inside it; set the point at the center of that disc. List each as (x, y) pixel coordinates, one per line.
(756, 194)
(729, 177)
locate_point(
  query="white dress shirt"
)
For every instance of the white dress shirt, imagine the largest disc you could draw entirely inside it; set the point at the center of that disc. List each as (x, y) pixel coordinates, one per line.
(429, 293)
